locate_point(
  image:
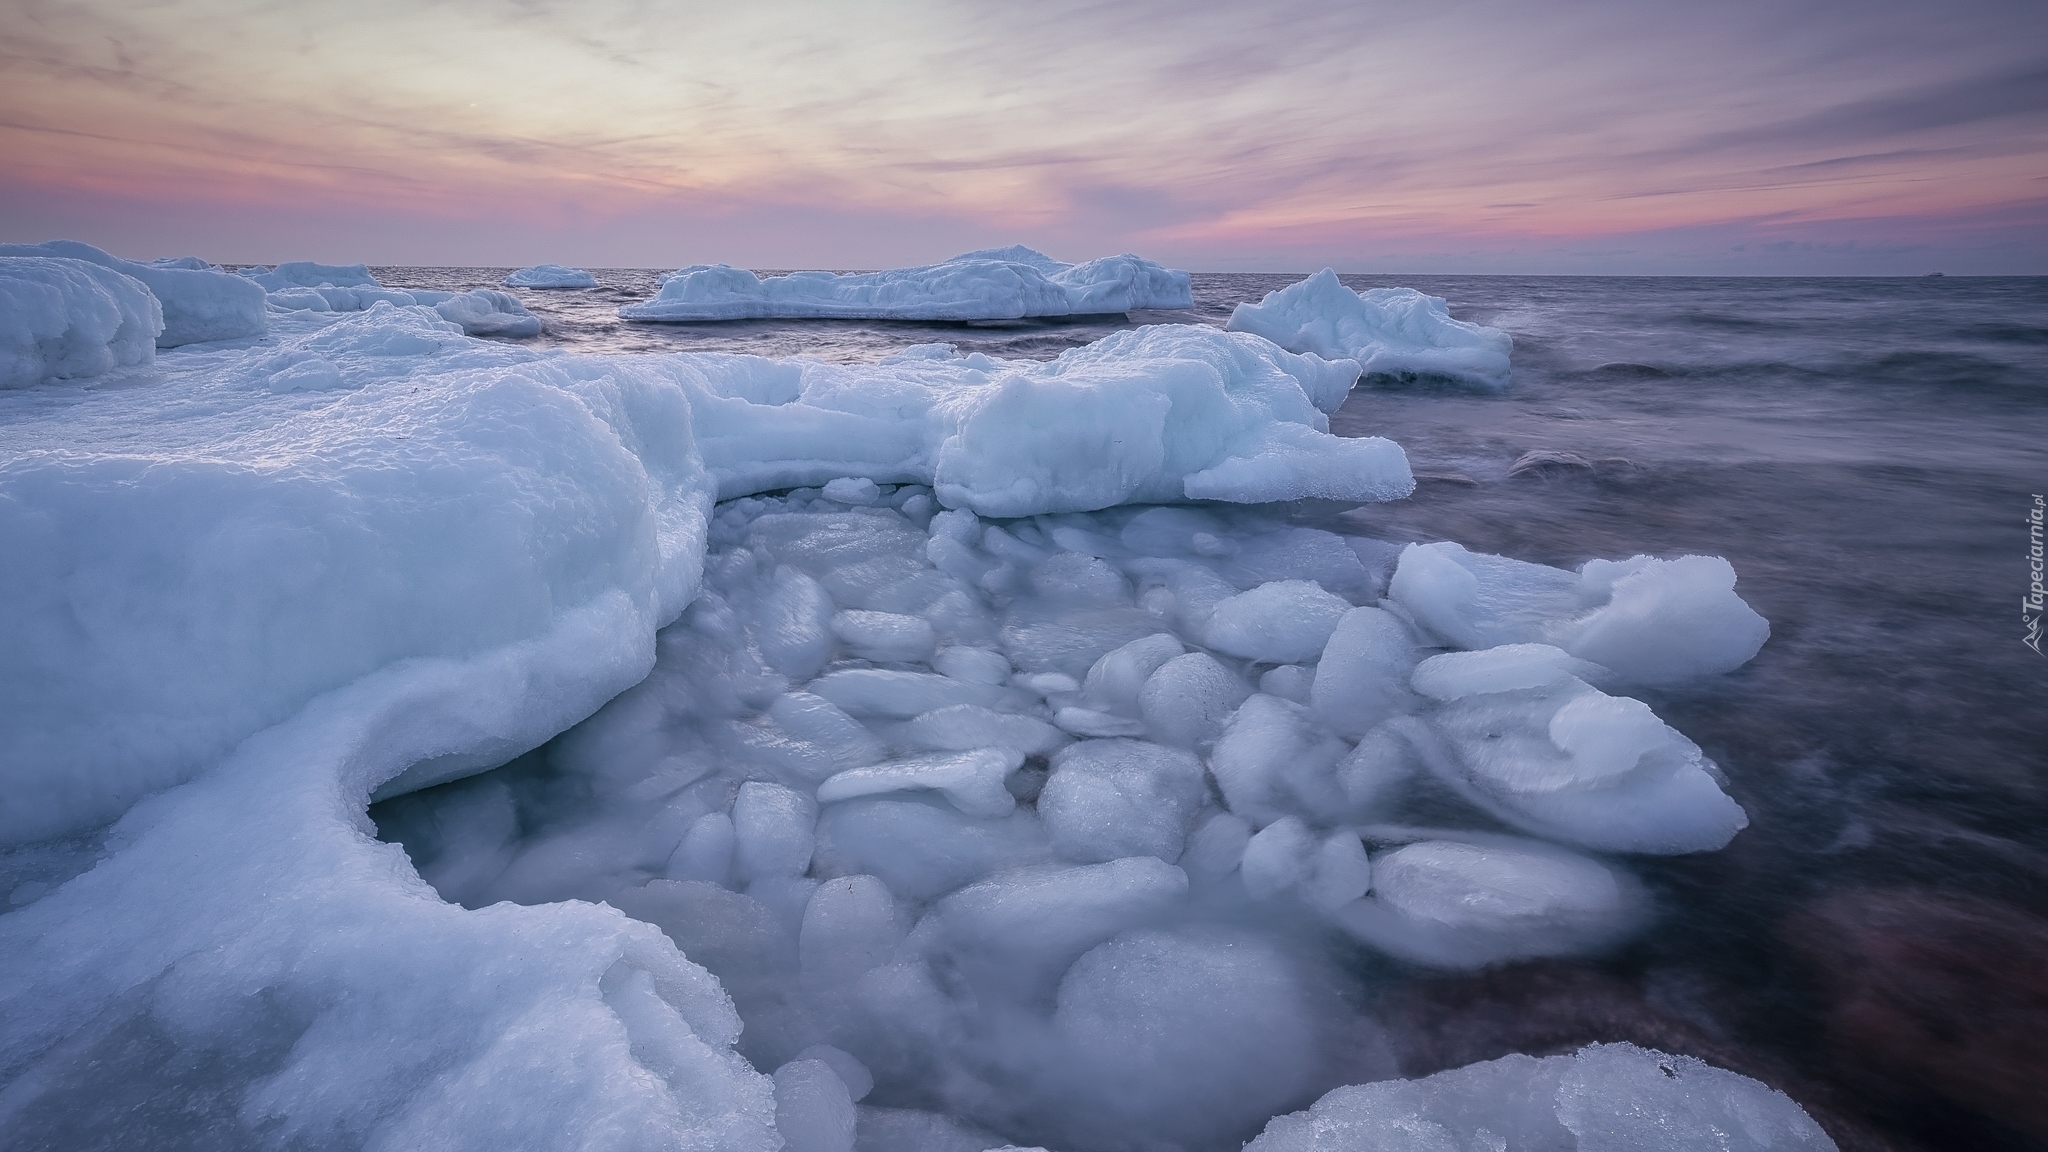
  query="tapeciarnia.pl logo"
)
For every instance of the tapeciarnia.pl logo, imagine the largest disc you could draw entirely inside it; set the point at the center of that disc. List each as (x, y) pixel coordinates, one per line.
(2030, 608)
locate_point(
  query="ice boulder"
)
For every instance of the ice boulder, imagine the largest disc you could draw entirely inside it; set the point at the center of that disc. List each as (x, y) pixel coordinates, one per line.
(63, 319)
(1516, 732)
(1604, 1098)
(199, 302)
(550, 276)
(311, 274)
(488, 312)
(1108, 799)
(1391, 332)
(1648, 621)
(1456, 904)
(998, 284)
(1279, 622)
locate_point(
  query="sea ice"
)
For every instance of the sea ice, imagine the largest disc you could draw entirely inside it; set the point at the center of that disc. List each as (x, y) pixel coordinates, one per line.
(63, 319)
(994, 284)
(1391, 332)
(550, 276)
(200, 302)
(488, 312)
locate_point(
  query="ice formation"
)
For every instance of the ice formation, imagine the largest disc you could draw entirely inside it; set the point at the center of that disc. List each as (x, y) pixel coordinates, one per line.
(1391, 332)
(487, 312)
(993, 284)
(550, 276)
(200, 302)
(944, 786)
(1605, 1098)
(63, 319)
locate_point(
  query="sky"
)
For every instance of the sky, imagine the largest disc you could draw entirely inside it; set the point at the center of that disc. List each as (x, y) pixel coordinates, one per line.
(1881, 137)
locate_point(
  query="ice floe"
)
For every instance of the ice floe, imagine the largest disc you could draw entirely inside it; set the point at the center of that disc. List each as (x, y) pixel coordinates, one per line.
(63, 319)
(992, 284)
(1391, 332)
(550, 276)
(199, 302)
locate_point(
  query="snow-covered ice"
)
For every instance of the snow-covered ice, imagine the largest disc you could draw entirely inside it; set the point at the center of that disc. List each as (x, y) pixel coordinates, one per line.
(921, 775)
(199, 302)
(63, 319)
(550, 276)
(1391, 332)
(992, 284)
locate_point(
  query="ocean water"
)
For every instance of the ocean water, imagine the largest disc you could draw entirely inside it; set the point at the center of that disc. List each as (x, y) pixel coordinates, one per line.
(1864, 452)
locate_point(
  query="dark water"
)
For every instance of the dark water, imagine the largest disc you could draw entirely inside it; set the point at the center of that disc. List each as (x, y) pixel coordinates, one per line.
(1864, 452)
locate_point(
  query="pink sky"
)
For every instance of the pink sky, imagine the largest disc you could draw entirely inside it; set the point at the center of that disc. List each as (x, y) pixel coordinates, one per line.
(1643, 137)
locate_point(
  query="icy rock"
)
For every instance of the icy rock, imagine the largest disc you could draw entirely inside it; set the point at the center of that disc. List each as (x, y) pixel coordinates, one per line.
(773, 831)
(1108, 799)
(64, 319)
(1358, 681)
(813, 1110)
(1187, 700)
(1283, 622)
(1448, 904)
(995, 285)
(550, 276)
(1273, 759)
(1570, 763)
(1390, 332)
(199, 302)
(488, 312)
(972, 781)
(887, 637)
(1182, 1034)
(1650, 621)
(1605, 1098)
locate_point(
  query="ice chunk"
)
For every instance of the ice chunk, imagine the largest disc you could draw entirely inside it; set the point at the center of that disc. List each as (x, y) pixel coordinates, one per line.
(973, 781)
(840, 740)
(550, 276)
(1108, 799)
(1289, 682)
(965, 726)
(923, 849)
(1390, 332)
(706, 851)
(850, 926)
(979, 665)
(889, 637)
(813, 1110)
(199, 302)
(1186, 702)
(853, 490)
(1570, 763)
(1650, 621)
(1449, 904)
(1360, 680)
(66, 319)
(1278, 858)
(1216, 849)
(1027, 925)
(1456, 675)
(794, 625)
(488, 312)
(852, 1073)
(1273, 759)
(900, 695)
(312, 274)
(1185, 1035)
(1115, 680)
(1605, 1098)
(773, 831)
(1283, 622)
(993, 285)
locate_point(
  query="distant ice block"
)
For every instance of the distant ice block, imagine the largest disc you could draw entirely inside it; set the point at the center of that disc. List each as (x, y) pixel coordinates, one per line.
(550, 276)
(1393, 332)
(488, 312)
(993, 284)
(63, 319)
(1604, 1098)
(310, 274)
(199, 302)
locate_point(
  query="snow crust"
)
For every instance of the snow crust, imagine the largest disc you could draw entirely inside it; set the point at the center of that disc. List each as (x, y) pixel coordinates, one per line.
(924, 779)
(1391, 332)
(199, 302)
(550, 276)
(991, 284)
(63, 319)
(1604, 1098)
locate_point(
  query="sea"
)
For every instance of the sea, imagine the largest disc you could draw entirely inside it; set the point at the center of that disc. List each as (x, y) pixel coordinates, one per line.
(1867, 454)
